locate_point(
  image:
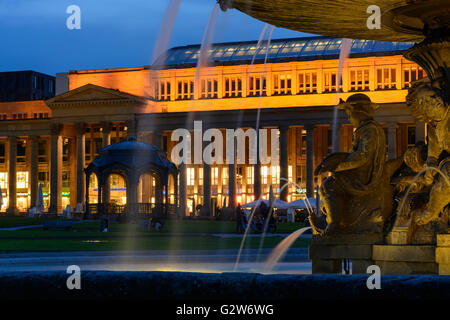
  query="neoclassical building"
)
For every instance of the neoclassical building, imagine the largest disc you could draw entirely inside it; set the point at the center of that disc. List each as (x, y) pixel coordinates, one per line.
(51, 142)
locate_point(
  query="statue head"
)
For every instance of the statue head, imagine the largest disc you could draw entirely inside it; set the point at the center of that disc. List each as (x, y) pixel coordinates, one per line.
(359, 108)
(425, 102)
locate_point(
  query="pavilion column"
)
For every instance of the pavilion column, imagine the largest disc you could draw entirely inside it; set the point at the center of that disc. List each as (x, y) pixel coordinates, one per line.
(34, 171)
(309, 161)
(81, 141)
(420, 131)
(106, 130)
(56, 170)
(284, 190)
(391, 140)
(12, 189)
(182, 196)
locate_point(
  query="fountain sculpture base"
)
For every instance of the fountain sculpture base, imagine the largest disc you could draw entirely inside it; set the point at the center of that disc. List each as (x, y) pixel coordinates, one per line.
(327, 256)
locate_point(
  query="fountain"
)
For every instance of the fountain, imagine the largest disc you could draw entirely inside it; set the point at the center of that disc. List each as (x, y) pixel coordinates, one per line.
(363, 221)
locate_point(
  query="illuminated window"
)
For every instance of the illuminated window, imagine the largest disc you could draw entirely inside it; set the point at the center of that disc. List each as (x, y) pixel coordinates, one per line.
(254, 86)
(264, 174)
(224, 176)
(307, 82)
(162, 90)
(200, 176)
(282, 84)
(21, 151)
(185, 90)
(412, 74)
(214, 176)
(208, 88)
(275, 171)
(2, 152)
(42, 151)
(4, 180)
(232, 87)
(190, 175)
(330, 81)
(386, 78)
(250, 179)
(22, 180)
(290, 173)
(359, 80)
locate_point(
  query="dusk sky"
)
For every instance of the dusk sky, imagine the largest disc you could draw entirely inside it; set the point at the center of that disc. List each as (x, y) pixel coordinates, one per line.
(114, 33)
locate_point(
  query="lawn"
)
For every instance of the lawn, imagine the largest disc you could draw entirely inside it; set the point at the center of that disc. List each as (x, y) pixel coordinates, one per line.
(176, 235)
(8, 222)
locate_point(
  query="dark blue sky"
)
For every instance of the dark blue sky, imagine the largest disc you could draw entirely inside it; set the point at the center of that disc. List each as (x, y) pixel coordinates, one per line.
(114, 33)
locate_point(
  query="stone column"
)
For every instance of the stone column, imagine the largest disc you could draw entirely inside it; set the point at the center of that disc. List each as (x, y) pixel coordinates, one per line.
(131, 128)
(34, 171)
(420, 132)
(56, 170)
(206, 209)
(157, 137)
(232, 185)
(106, 130)
(12, 178)
(309, 161)
(257, 171)
(81, 140)
(284, 172)
(182, 194)
(391, 140)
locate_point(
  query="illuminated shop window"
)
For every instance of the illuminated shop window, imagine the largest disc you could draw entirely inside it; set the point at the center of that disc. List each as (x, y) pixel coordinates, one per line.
(22, 180)
(190, 176)
(359, 80)
(250, 176)
(4, 180)
(264, 174)
(254, 86)
(215, 176)
(200, 176)
(224, 175)
(275, 171)
(282, 84)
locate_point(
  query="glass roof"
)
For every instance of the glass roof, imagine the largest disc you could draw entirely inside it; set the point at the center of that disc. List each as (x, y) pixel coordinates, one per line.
(296, 48)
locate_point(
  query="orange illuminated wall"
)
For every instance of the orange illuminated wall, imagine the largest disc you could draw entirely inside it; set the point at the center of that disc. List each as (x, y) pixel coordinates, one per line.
(31, 110)
(376, 72)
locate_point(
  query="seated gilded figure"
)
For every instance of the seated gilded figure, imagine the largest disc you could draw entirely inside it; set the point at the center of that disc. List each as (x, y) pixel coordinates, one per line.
(357, 197)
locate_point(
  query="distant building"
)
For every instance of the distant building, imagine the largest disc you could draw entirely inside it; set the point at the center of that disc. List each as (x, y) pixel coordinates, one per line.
(59, 137)
(26, 86)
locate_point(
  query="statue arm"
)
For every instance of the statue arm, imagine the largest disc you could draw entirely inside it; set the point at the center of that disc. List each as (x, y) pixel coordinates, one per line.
(362, 154)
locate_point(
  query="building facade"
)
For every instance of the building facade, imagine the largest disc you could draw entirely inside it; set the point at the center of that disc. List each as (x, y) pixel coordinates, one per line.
(294, 92)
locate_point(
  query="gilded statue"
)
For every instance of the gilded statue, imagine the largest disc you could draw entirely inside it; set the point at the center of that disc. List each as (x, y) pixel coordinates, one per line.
(357, 197)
